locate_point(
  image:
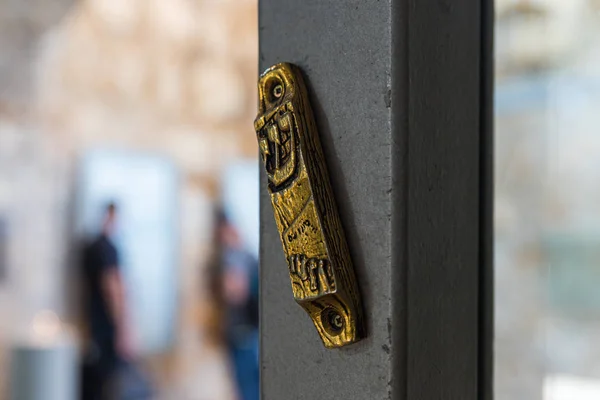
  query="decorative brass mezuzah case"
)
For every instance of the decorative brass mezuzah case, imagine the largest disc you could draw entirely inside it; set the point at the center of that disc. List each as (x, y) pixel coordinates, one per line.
(321, 271)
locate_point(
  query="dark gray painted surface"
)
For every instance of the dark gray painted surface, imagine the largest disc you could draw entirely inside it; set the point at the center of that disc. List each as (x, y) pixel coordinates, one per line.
(395, 88)
(442, 199)
(486, 221)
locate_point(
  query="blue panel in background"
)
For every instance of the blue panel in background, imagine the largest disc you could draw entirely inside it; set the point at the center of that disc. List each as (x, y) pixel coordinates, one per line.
(145, 188)
(241, 200)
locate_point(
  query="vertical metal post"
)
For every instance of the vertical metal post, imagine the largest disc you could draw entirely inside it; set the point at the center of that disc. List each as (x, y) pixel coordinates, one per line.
(400, 91)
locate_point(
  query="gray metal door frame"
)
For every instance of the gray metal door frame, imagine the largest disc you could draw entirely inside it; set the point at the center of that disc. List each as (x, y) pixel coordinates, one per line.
(402, 96)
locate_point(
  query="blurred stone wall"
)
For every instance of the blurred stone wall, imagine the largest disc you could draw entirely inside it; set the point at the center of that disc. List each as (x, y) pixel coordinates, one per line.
(534, 35)
(546, 183)
(174, 78)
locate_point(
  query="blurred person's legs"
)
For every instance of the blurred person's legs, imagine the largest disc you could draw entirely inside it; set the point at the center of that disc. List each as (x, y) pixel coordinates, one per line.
(244, 356)
(100, 370)
(110, 377)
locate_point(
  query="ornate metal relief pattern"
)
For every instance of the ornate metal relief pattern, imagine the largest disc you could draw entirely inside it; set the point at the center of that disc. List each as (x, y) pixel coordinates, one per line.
(320, 268)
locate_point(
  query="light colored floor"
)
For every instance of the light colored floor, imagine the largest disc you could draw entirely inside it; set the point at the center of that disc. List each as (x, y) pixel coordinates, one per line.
(209, 379)
(200, 371)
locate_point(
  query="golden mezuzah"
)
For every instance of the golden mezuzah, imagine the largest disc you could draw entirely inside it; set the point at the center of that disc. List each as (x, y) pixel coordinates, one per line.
(320, 268)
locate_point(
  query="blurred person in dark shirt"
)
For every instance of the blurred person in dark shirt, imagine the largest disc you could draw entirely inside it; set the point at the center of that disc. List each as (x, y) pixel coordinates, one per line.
(239, 292)
(106, 311)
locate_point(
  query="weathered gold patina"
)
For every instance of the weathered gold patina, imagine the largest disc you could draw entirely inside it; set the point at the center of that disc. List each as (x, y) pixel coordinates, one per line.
(321, 271)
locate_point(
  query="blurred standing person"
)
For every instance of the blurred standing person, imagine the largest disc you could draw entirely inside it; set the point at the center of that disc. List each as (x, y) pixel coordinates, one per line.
(239, 280)
(106, 316)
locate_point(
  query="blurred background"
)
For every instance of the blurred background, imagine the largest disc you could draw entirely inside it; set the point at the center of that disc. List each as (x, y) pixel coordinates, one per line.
(147, 105)
(547, 196)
